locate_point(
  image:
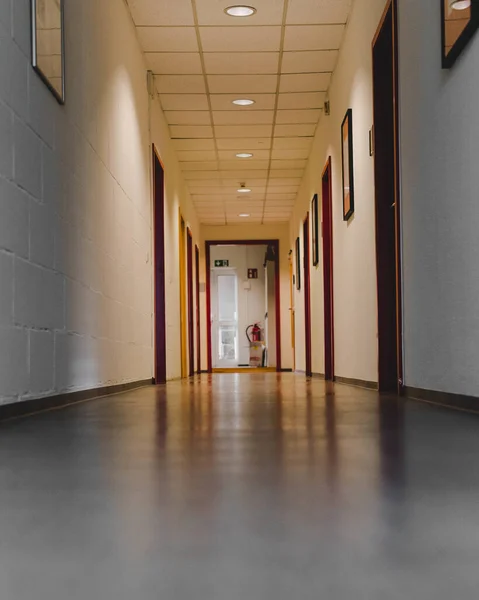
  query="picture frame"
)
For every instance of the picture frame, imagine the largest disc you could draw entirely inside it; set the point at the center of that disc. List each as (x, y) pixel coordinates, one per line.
(347, 165)
(298, 264)
(48, 44)
(459, 23)
(315, 229)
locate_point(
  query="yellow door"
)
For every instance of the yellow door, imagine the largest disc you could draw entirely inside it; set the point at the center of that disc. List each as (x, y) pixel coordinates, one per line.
(183, 301)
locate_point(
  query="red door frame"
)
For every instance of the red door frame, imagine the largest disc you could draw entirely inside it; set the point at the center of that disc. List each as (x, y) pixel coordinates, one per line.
(327, 226)
(191, 318)
(307, 295)
(275, 245)
(387, 201)
(198, 313)
(159, 267)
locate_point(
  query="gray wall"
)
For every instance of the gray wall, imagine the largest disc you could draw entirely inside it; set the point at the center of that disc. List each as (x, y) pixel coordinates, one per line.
(439, 112)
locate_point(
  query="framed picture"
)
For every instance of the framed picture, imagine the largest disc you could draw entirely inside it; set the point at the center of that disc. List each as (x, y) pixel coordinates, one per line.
(348, 165)
(460, 20)
(298, 264)
(48, 44)
(315, 226)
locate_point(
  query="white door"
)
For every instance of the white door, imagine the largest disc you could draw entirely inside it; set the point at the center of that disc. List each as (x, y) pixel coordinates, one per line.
(224, 318)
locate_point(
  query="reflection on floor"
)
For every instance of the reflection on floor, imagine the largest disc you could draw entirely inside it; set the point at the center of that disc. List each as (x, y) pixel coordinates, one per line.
(229, 487)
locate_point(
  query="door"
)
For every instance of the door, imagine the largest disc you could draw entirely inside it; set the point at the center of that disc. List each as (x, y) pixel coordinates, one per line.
(291, 307)
(183, 298)
(198, 319)
(327, 226)
(224, 327)
(385, 97)
(191, 319)
(307, 296)
(159, 270)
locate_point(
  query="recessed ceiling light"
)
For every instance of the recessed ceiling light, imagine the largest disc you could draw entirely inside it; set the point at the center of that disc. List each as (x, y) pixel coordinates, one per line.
(244, 190)
(240, 11)
(460, 4)
(243, 102)
(243, 215)
(244, 155)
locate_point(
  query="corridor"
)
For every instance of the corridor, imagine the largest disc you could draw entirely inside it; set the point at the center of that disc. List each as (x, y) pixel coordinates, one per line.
(233, 487)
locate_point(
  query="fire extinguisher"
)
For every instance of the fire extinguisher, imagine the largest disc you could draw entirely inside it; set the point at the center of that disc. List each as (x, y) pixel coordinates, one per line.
(256, 333)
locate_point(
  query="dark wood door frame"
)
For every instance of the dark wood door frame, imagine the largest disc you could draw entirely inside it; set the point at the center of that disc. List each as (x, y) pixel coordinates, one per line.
(198, 312)
(159, 268)
(275, 245)
(307, 297)
(387, 201)
(191, 314)
(328, 271)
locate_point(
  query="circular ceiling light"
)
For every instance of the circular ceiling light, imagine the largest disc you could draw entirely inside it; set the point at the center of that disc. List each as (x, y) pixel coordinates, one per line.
(244, 155)
(243, 102)
(243, 215)
(459, 4)
(240, 11)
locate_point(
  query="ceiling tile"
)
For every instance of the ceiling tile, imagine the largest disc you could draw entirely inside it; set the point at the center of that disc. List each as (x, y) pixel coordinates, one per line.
(239, 131)
(184, 101)
(298, 130)
(292, 143)
(199, 166)
(171, 63)
(211, 12)
(191, 131)
(168, 39)
(286, 181)
(180, 84)
(278, 198)
(202, 175)
(286, 189)
(240, 143)
(288, 164)
(243, 175)
(225, 102)
(241, 63)
(305, 82)
(188, 117)
(300, 153)
(198, 155)
(302, 100)
(194, 144)
(314, 61)
(232, 117)
(288, 173)
(236, 165)
(161, 12)
(242, 84)
(236, 39)
(318, 11)
(285, 117)
(313, 37)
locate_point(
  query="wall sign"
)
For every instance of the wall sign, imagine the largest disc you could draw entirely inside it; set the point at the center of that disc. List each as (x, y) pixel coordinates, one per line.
(252, 273)
(222, 263)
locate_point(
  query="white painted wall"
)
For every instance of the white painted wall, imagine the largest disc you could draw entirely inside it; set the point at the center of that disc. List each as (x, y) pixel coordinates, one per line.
(439, 127)
(251, 302)
(355, 287)
(252, 232)
(75, 209)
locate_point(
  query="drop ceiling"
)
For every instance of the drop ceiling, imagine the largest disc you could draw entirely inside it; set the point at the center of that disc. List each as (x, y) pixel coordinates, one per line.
(282, 57)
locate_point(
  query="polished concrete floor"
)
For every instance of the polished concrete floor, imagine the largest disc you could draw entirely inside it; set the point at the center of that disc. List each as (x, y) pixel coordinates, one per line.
(241, 487)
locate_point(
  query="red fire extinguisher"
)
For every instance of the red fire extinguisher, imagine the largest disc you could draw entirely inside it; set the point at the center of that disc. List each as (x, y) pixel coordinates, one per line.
(256, 333)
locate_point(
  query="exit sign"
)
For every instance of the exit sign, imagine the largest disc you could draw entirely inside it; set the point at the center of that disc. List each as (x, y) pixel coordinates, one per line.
(222, 263)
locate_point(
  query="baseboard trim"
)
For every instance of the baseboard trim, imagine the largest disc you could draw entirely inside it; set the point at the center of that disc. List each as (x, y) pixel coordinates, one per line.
(446, 399)
(369, 385)
(285, 371)
(318, 375)
(26, 408)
